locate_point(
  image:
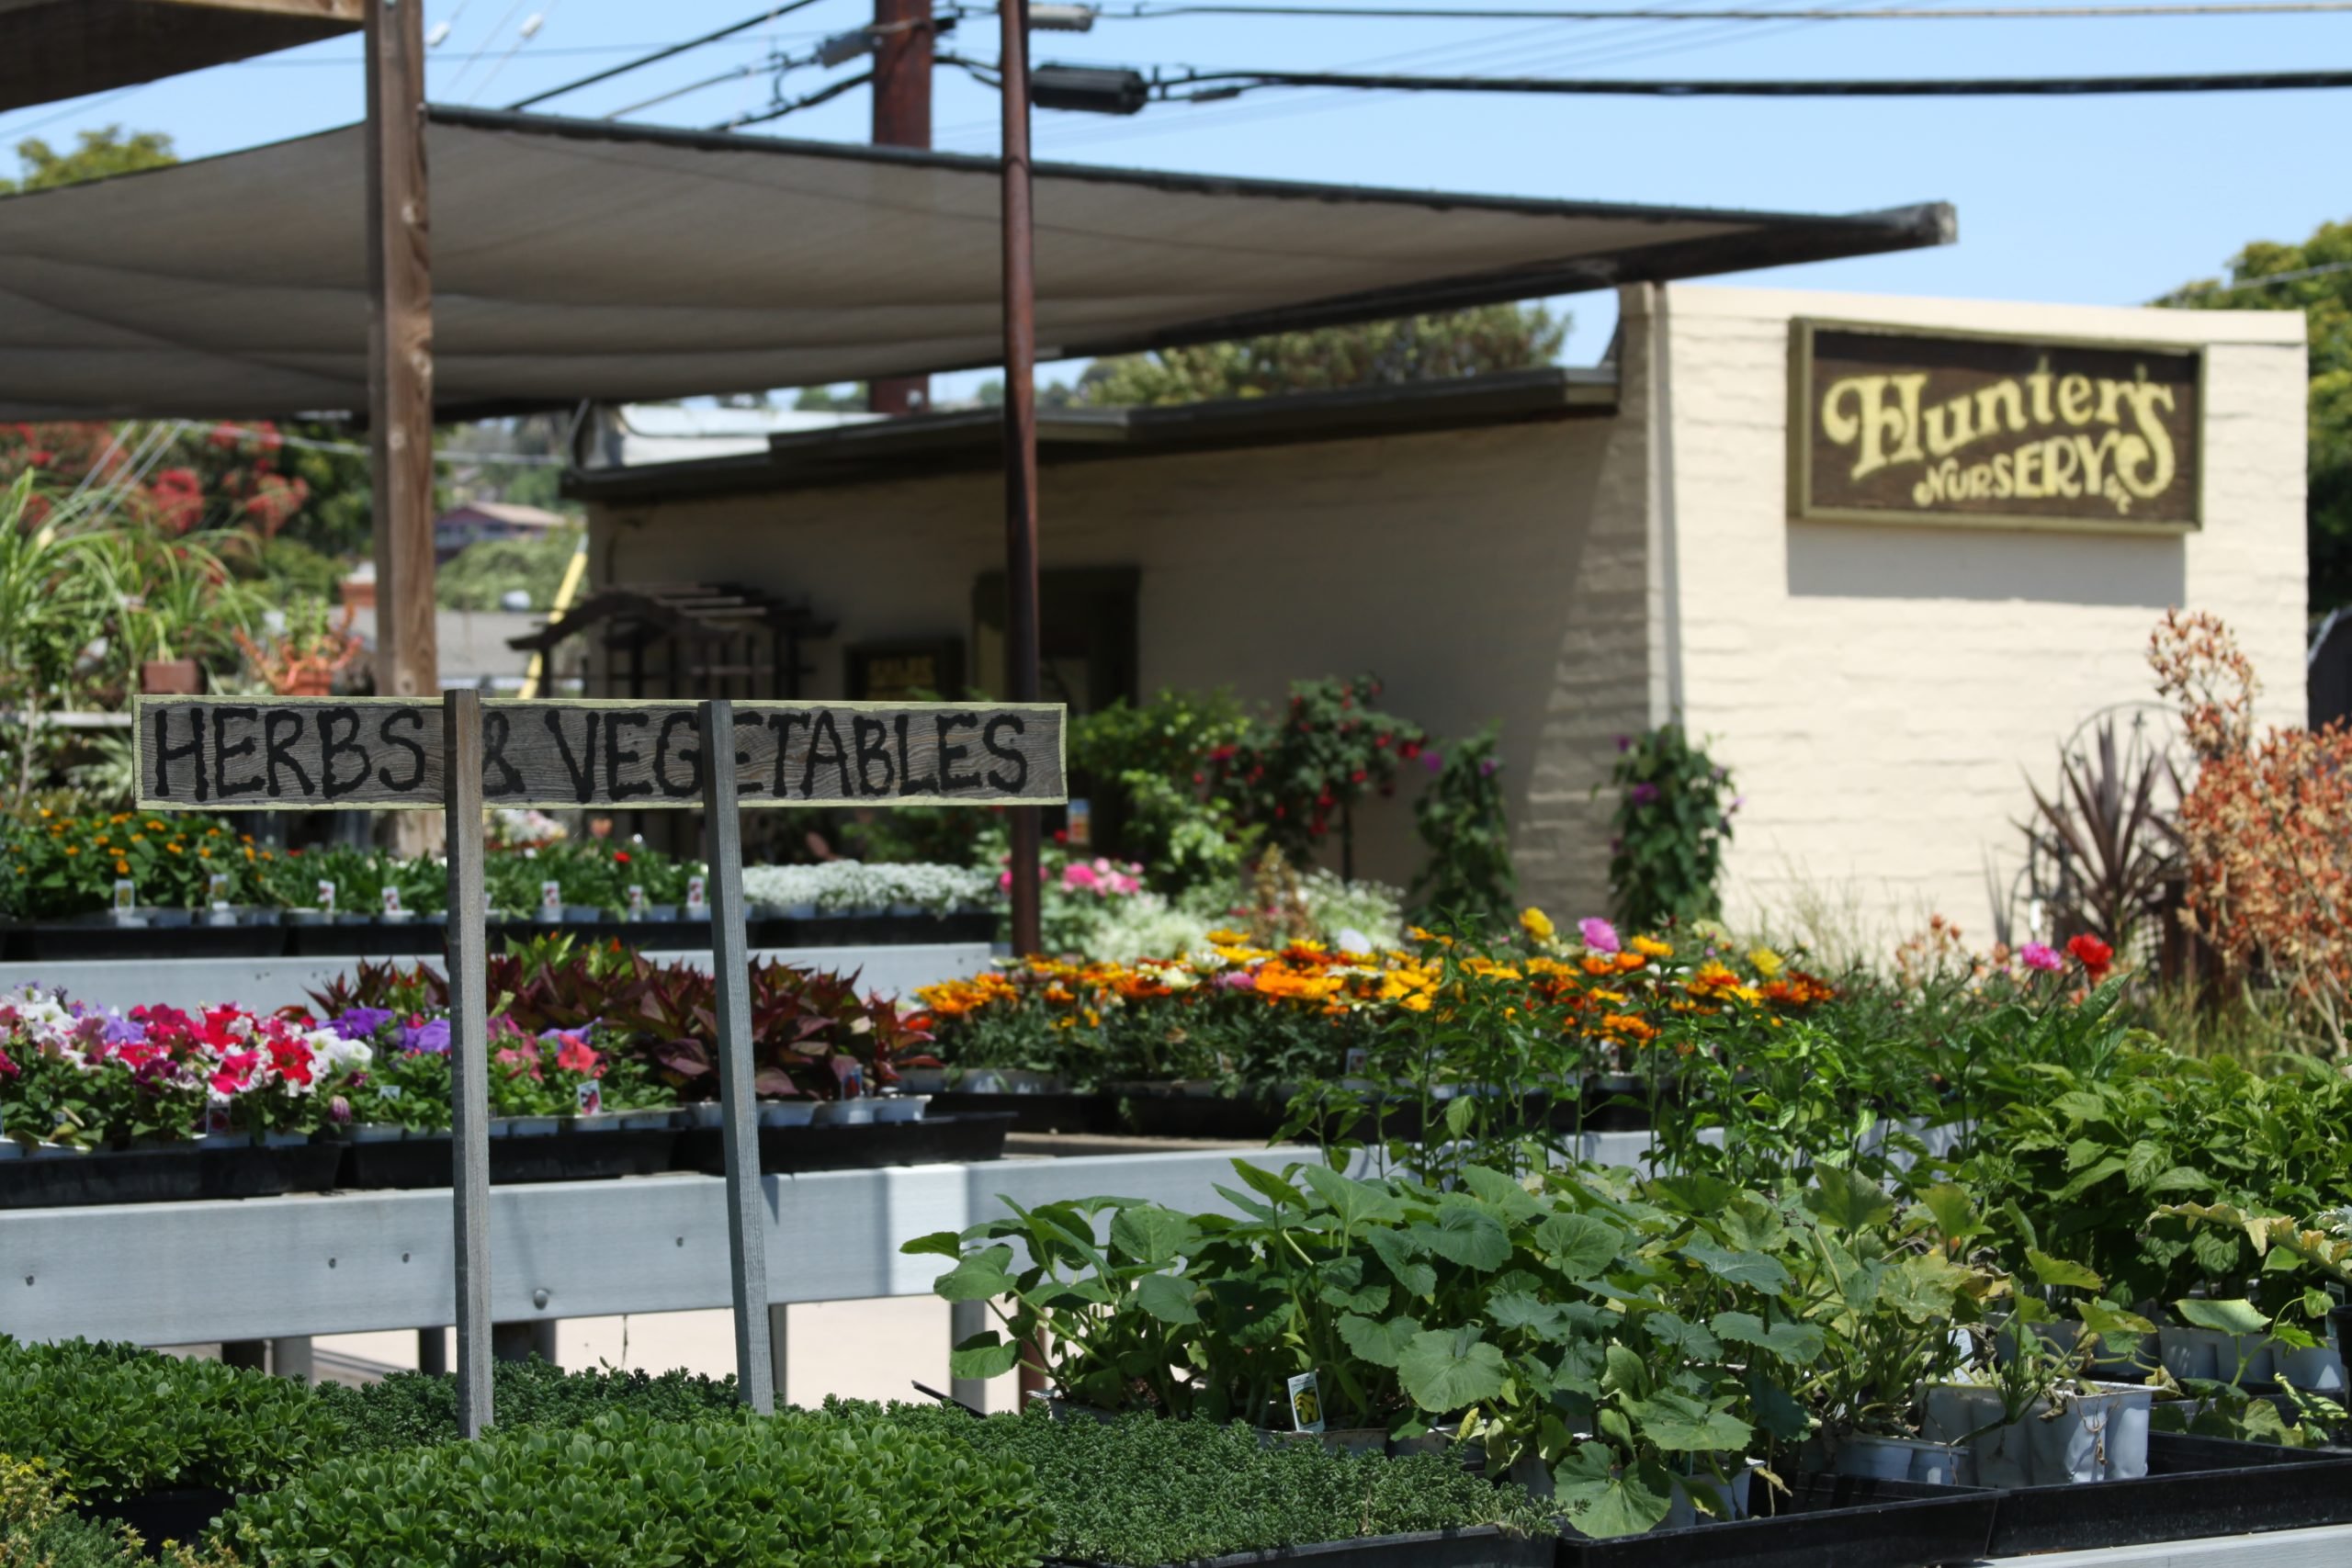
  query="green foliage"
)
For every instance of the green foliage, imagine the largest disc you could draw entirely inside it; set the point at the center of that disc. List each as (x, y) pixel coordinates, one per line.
(1671, 824)
(2324, 298)
(485, 572)
(798, 1490)
(53, 866)
(1296, 775)
(118, 1421)
(1473, 342)
(1143, 1492)
(289, 567)
(415, 1409)
(1469, 879)
(1155, 758)
(96, 156)
(39, 1530)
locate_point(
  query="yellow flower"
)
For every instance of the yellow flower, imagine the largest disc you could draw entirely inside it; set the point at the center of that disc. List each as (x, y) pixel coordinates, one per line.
(152, 826)
(1536, 923)
(1650, 947)
(73, 849)
(1768, 962)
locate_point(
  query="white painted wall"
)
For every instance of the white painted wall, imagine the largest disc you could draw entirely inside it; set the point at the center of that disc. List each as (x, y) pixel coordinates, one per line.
(1880, 690)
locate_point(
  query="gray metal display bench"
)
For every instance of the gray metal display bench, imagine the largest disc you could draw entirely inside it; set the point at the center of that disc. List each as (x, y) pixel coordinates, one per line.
(2330, 1547)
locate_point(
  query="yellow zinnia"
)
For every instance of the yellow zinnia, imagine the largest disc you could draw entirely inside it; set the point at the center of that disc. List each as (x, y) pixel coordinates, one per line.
(1536, 923)
(1767, 962)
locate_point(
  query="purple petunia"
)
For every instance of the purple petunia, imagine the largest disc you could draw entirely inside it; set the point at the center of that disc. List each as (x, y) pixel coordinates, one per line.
(1643, 794)
(361, 1023)
(120, 1030)
(433, 1036)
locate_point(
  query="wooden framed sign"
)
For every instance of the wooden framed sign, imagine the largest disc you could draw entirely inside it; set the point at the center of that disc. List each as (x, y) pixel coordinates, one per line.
(387, 753)
(1898, 425)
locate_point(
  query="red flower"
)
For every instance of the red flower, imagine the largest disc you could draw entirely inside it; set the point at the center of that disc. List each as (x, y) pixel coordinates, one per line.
(2095, 955)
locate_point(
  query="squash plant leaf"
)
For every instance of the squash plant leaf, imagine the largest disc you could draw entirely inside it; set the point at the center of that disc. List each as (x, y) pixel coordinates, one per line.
(1602, 1502)
(980, 1277)
(1445, 1371)
(1382, 1344)
(1750, 1269)
(1398, 1251)
(1149, 1234)
(1167, 1298)
(1800, 1343)
(1355, 1202)
(1492, 1187)
(1848, 1200)
(1277, 1188)
(1518, 1309)
(1578, 1245)
(2223, 1317)
(1466, 1235)
(1675, 1423)
(2049, 1271)
(984, 1355)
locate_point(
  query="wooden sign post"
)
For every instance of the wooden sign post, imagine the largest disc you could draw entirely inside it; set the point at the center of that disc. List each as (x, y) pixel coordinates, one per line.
(463, 754)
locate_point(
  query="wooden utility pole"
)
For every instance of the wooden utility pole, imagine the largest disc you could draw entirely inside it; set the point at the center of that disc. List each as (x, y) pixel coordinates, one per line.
(902, 64)
(1020, 444)
(399, 359)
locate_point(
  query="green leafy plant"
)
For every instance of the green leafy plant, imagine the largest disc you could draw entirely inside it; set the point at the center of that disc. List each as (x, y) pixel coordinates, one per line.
(1467, 880)
(1671, 823)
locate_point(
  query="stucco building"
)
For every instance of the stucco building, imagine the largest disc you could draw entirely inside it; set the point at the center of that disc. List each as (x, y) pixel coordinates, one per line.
(1579, 554)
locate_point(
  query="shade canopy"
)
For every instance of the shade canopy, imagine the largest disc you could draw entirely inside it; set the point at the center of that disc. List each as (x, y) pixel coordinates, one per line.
(53, 49)
(578, 260)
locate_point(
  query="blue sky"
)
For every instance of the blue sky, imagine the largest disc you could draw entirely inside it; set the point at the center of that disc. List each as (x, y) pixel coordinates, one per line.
(2107, 199)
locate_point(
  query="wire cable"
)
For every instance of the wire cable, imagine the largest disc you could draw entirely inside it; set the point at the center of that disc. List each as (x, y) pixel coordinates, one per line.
(1230, 81)
(1148, 12)
(661, 54)
(822, 94)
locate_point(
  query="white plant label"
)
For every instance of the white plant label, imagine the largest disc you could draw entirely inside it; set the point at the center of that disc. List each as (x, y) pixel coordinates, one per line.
(326, 897)
(392, 901)
(126, 896)
(1306, 1403)
(592, 1097)
(215, 889)
(636, 901)
(552, 897)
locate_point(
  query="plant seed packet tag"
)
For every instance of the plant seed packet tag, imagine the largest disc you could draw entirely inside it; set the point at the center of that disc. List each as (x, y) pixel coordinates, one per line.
(391, 900)
(1359, 1058)
(696, 890)
(592, 1097)
(636, 901)
(126, 896)
(552, 897)
(1306, 1403)
(215, 889)
(326, 897)
(851, 1076)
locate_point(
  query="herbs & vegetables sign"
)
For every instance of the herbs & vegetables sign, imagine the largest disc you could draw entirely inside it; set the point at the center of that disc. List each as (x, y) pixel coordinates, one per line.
(387, 753)
(1923, 427)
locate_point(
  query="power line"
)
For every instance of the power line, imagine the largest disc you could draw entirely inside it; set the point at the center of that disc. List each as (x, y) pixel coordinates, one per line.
(1145, 12)
(1231, 84)
(661, 54)
(822, 94)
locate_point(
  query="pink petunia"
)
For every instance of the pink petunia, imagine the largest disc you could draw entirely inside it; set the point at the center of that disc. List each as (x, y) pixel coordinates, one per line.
(2041, 956)
(1598, 934)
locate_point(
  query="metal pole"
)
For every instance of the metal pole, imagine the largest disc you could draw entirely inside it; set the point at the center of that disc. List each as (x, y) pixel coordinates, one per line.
(902, 66)
(1020, 444)
(747, 1218)
(400, 363)
(469, 1055)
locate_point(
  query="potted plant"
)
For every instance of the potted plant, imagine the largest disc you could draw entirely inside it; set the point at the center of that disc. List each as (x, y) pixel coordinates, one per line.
(303, 655)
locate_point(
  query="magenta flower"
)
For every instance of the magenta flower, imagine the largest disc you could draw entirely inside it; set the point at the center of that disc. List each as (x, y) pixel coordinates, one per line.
(2041, 956)
(1598, 934)
(1643, 794)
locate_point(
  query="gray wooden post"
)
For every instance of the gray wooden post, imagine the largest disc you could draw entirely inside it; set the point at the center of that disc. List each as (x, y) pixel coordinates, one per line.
(747, 1220)
(469, 1055)
(964, 1320)
(779, 1348)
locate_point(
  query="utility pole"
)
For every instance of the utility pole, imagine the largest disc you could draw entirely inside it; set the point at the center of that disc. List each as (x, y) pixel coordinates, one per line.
(902, 64)
(399, 362)
(1020, 445)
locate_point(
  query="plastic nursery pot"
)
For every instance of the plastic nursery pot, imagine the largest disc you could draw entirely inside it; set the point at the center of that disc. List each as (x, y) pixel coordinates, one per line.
(1001, 1080)
(2196, 1487)
(1847, 1524)
(524, 1126)
(1904, 1459)
(901, 1106)
(787, 1113)
(2212, 1354)
(2099, 1435)
(857, 1112)
(2318, 1370)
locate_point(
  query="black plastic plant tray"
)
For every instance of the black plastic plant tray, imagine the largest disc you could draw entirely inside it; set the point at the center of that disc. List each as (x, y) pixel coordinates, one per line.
(871, 930)
(2195, 1486)
(1897, 1532)
(159, 1517)
(1253, 1118)
(167, 1176)
(1481, 1546)
(368, 939)
(789, 1151)
(72, 942)
(514, 1162)
(1055, 1112)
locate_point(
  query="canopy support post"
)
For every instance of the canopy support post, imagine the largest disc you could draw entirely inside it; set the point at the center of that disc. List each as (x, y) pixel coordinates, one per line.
(399, 365)
(1020, 447)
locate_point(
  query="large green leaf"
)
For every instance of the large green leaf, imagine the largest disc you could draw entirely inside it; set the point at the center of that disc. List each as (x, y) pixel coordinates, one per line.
(980, 1277)
(1692, 1340)
(1167, 1298)
(1382, 1344)
(1466, 1235)
(1675, 1423)
(1354, 1202)
(2054, 1271)
(1579, 1245)
(1149, 1234)
(2225, 1317)
(1283, 1194)
(1450, 1370)
(1495, 1188)
(1340, 1282)
(985, 1355)
(1518, 1309)
(1401, 1254)
(1848, 1200)
(1603, 1501)
(1799, 1343)
(2087, 1179)
(946, 1243)
(1954, 1213)
(1753, 1269)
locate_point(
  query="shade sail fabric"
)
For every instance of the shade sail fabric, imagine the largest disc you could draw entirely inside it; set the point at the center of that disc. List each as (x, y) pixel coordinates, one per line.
(578, 260)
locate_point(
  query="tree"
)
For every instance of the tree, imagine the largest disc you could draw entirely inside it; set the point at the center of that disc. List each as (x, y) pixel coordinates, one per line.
(101, 152)
(1414, 348)
(2314, 277)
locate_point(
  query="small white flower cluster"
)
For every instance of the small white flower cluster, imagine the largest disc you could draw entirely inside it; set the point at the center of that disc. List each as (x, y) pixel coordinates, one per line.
(848, 886)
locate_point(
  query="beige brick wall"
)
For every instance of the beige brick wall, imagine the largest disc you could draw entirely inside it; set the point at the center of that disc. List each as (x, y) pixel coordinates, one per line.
(1485, 574)
(1883, 691)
